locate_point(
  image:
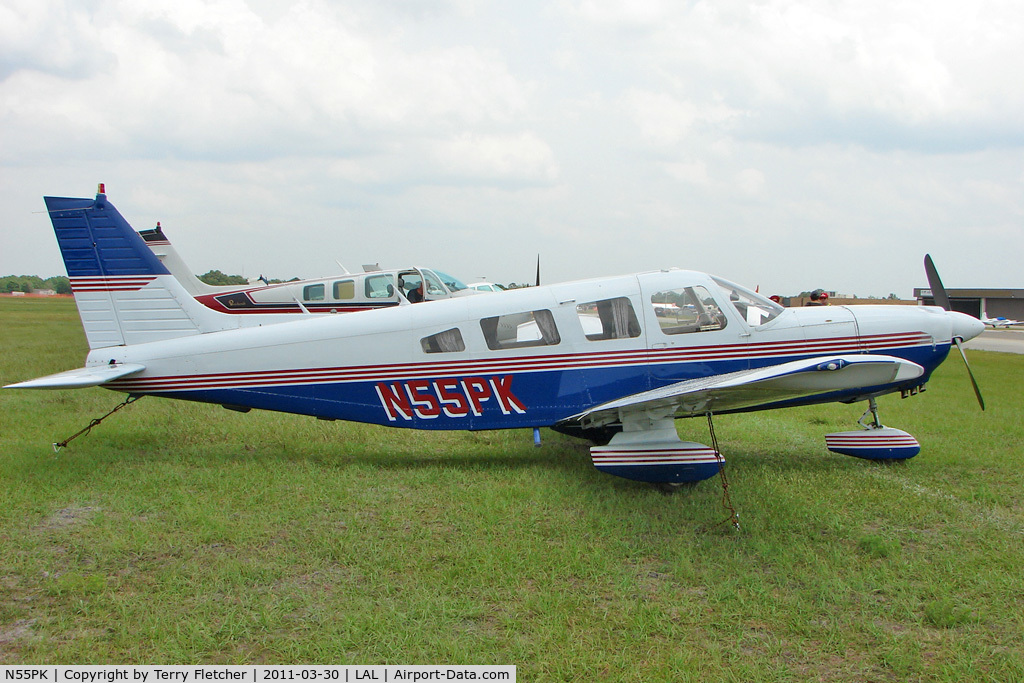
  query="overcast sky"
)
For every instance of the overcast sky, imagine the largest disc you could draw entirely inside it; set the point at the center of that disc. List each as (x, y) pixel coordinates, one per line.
(783, 144)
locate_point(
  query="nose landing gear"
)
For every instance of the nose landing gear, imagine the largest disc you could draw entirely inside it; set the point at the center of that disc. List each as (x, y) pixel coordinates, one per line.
(873, 441)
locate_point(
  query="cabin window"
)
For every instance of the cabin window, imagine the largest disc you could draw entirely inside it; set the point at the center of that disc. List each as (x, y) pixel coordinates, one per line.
(520, 330)
(688, 309)
(313, 292)
(448, 341)
(608, 319)
(344, 290)
(380, 287)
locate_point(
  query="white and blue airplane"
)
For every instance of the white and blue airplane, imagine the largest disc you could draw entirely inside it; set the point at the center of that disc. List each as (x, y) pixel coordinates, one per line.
(615, 360)
(1000, 321)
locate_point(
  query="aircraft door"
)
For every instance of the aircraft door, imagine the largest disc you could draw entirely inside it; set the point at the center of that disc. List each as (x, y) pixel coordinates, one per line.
(433, 289)
(421, 285)
(689, 332)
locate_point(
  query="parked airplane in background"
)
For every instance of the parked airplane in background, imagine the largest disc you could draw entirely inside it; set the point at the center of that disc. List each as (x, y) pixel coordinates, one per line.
(486, 287)
(596, 358)
(1000, 321)
(346, 293)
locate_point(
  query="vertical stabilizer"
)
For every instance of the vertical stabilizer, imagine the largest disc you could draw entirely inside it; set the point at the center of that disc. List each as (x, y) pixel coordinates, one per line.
(123, 293)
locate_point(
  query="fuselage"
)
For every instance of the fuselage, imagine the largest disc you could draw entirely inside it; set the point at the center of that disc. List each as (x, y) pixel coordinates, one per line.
(529, 357)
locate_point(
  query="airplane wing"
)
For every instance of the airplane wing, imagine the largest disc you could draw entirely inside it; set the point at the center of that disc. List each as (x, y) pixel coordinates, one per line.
(82, 377)
(760, 387)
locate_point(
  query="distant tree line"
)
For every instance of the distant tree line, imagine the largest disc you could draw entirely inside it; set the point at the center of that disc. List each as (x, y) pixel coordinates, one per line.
(28, 283)
(217, 278)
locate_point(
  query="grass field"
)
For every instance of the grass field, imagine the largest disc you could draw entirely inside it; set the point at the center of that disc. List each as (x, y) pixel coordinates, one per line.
(179, 533)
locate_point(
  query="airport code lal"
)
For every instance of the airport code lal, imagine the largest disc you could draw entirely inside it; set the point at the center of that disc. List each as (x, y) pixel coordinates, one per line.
(255, 674)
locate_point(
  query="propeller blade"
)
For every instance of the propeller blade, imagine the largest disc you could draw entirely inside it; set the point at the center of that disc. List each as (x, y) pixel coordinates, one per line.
(942, 299)
(938, 291)
(538, 270)
(974, 382)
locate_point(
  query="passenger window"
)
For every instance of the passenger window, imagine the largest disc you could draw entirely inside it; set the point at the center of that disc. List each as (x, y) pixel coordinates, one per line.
(313, 292)
(380, 287)
(690, 309)
(608, 319)
(520, 330)
(448, 341)
(345, 289)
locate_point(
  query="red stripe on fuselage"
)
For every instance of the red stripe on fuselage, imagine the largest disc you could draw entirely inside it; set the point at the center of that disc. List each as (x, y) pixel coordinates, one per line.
(501, 366)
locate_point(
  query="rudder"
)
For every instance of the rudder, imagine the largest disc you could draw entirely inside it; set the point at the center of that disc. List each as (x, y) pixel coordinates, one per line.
(123, 293)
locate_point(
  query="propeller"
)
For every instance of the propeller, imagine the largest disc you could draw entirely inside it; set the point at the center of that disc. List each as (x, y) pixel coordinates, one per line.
(942, 300)
(538, 271)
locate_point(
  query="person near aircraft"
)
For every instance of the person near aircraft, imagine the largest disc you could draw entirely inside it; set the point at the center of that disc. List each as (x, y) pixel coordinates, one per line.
(415, 295)
(818, 298)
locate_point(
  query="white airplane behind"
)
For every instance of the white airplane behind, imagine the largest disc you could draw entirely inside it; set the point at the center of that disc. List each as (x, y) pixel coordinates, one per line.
(1000, 321)
(262, 303)
(596, 358)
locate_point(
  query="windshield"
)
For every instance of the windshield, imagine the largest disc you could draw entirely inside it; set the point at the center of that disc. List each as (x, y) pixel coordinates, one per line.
(452, 283)
(753, 308)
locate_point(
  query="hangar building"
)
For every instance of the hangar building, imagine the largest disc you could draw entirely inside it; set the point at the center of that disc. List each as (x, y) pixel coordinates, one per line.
(981, 303)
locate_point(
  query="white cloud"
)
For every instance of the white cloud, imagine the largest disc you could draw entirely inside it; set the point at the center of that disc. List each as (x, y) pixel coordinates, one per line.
(216, 81)
(471, 158)
(750, 181)
(717, 133)
(694, 172)
(876, 73)
(622, 12)
(662, 119)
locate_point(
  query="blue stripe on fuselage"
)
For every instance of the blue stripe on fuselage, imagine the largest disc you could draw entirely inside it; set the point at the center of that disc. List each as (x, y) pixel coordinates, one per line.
(505, 400)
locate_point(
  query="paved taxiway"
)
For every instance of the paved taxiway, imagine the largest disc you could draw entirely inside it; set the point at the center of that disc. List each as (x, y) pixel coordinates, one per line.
(1007, 341)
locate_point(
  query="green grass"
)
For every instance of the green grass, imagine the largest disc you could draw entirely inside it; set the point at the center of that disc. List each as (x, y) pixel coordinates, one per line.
(181, 533)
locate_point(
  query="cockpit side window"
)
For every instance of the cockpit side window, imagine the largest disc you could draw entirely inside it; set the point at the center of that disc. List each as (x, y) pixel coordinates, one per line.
(409, 281)
(752, 307)
(608, 319)
(686, 310)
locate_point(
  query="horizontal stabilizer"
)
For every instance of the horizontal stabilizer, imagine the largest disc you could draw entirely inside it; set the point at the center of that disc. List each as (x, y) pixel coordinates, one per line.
(82, 377)
(761, 387)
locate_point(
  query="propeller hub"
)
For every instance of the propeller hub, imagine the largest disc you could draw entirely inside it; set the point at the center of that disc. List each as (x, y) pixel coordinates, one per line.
(965, 326)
